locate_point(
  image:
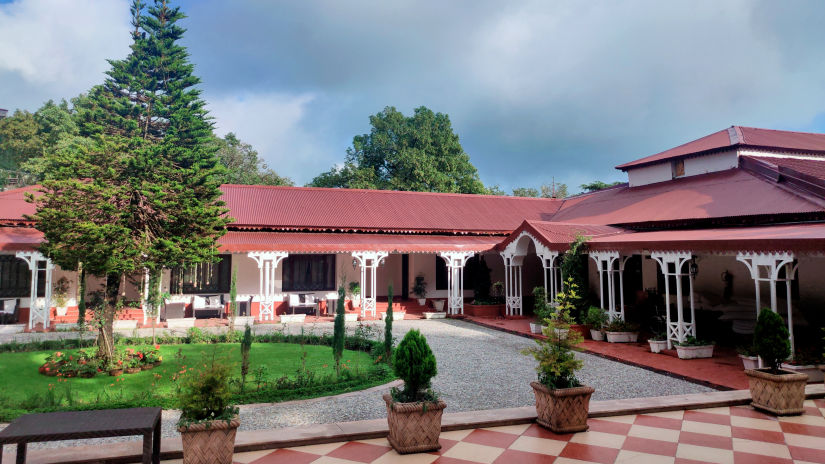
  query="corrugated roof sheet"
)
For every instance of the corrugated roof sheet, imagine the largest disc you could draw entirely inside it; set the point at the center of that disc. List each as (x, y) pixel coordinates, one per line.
(19, 238)
(557, 236)
(380, 210)
(811, 167)
(312, 242)
(739, 136)
(796, 238)
(730, 193)
(13, 205)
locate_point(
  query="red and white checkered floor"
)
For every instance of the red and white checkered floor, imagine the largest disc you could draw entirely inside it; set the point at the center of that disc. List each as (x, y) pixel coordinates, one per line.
(720, 435)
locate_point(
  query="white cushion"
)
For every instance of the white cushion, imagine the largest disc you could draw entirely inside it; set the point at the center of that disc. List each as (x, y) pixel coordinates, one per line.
(8, 306)
(198, 302)
(294, 299)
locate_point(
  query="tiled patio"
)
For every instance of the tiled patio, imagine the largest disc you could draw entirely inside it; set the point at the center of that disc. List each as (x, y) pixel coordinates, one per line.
(736, 434)
(724, 370)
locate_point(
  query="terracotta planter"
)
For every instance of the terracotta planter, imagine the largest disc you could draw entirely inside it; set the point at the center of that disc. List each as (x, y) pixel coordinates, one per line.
(622, 337)
(694, 352)
(414, 427)
(131, 370)
(146, 367)
(597, 335)
(210, 442)
(749, 362)
(116, 372)
(657, 346)
(562, 410)
(782, 394)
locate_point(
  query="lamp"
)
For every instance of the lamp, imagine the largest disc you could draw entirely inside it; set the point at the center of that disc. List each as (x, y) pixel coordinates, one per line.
(354, 264)
(693, 268)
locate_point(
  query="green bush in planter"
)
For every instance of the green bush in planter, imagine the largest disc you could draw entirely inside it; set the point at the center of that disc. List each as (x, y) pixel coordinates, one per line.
(596, 318)
(414, 363)
(541, 308)
(771, 339)
(206, 395)
(555, 354)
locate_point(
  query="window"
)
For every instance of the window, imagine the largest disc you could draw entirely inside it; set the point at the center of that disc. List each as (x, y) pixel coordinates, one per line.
(678, 168)
(203, 277)
(441, 273)
(15, 278)
(309, 273)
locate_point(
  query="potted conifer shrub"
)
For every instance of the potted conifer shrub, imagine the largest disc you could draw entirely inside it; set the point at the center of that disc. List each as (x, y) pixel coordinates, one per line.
(693, 348)
(747, 353)
(562, 402)
(596, 318)
(355, 294)
(414, 413)
(541, 309)
(419, 289)
(208, 421)
(773, 389)
(658, 342)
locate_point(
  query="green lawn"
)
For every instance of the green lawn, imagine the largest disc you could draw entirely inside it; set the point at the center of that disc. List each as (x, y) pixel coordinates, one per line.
(24, 389)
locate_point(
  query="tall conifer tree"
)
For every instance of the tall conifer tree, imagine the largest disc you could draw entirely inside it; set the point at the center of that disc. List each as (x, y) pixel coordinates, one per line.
(139, 189)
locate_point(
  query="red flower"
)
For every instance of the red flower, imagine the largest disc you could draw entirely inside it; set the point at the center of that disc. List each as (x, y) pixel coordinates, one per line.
(157, 347)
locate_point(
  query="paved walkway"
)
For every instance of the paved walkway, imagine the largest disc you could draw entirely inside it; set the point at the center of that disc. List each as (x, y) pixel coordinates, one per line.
(723, 370)
(724, 435)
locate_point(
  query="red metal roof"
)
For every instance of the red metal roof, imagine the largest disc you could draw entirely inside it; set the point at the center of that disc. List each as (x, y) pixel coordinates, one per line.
(313, 242)
(730, 193)
(796, 238)
(738, 136)
(19, 238)
(808, 166)
(557, 236)
(299, 208)
(13, 205)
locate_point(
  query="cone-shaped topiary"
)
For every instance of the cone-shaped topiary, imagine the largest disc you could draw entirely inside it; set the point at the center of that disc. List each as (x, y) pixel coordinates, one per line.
(414, 363)
(772, 339)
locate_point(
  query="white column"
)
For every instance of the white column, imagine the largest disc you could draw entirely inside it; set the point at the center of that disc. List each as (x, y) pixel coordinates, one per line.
(369, 261)
(622, 262)
(605, 265)
(512, 283)
(455, 261)
(679, 330)
(37, 312)
(548, 263)
(267, 262)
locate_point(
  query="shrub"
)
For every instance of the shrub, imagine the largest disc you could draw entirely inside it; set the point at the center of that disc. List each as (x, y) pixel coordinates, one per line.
(557, 361)
(567, 301)
(419, 288)
(246, 347)
(415, 364)
(339, 331)
(771, 339)
(388, 327)
(206, 395)
(690, 340)
(354, 289)
(196, 335)
(541, 308)
(620, 325)
(596, 317)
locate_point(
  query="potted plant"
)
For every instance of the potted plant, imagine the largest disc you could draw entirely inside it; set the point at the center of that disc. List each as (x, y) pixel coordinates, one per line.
(208, 421)
(808, 362)
(419, 289)
(562, 402)
(438, 305)
(772, 389)
(541, 309)
(658, 342)
(414, 413)
(621, 331)
(694, 348)
(60, 294)
(596, 318)
(750, 360)
(355, 293)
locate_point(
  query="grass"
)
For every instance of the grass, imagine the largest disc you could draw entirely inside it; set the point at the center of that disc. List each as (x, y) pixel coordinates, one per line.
(278, 371)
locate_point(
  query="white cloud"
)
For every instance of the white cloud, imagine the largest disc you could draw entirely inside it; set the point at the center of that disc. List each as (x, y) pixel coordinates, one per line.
(58, 47)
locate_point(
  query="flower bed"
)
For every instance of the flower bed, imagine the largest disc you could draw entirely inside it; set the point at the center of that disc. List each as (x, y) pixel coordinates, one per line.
(85, 363)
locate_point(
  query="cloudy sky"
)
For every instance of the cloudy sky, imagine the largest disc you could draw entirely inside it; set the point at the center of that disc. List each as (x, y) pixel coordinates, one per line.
(535, 89)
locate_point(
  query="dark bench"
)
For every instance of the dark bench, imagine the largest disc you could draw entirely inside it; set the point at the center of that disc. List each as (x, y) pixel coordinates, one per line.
(72, 425)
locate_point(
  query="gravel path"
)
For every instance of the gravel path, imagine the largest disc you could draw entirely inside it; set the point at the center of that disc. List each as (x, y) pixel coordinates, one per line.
(479, 368)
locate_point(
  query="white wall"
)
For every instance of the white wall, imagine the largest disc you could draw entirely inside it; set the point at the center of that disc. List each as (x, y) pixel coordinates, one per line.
(650, 174)
(663, 171)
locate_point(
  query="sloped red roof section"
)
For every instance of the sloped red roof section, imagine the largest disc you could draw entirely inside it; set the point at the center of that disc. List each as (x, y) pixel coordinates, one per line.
(13, 204)
(809, 166)
(302, 208)
(795, 238)
(313, 242)
(557, 236)
(725, 194)
(20, 238)
(768, 139)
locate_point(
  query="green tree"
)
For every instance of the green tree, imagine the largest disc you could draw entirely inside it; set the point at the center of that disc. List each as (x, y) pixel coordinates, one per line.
(19, 140)
(339, 331)
(574, 269)
(597, 185)
(243, 165)
(139, 188)
(771, 339)
(414, 363)
(246, 347)
(233, 300)
(552, 190)
(416, 153)
(388, 327)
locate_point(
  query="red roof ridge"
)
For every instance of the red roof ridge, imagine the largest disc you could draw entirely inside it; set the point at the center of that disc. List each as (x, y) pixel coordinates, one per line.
(377, 191)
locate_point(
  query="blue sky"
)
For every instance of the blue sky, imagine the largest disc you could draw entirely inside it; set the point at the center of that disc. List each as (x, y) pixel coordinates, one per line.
(535, 89)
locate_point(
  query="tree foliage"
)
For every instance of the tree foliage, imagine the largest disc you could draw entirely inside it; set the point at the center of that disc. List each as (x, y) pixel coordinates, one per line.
(552, 190)
(557, 363)
(574, 268)
(243, 166)
(414, 363)
(339, 330)
(138, 188)
(597, 185)
(416, 153)
(388, 327)
(772, 339)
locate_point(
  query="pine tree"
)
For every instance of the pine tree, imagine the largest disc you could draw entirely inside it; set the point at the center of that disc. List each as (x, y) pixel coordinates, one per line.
(139, 189)
(338, 333)
(388, 327)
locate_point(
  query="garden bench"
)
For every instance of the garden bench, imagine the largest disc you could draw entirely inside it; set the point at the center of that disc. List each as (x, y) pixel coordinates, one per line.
(72, 425)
